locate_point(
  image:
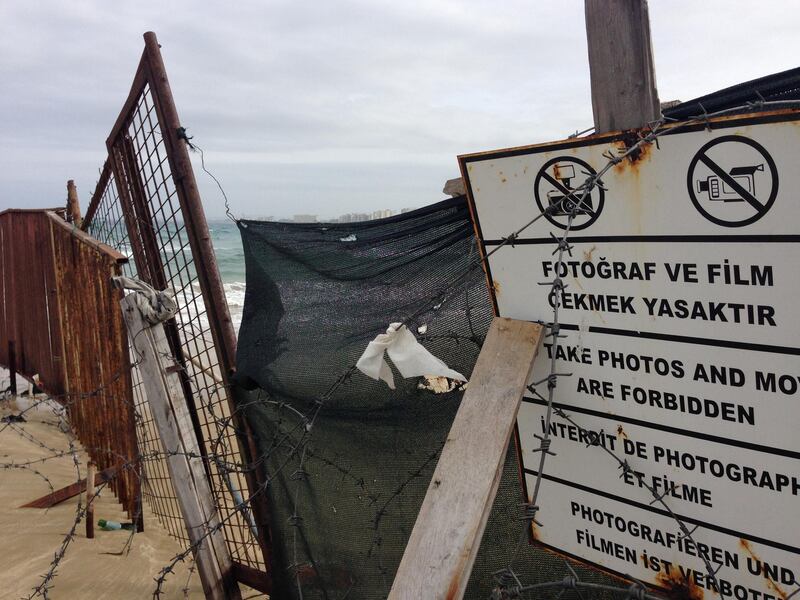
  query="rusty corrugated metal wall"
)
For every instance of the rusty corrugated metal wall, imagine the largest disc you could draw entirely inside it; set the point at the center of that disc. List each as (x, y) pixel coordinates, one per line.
(61, 315)
(28, 286)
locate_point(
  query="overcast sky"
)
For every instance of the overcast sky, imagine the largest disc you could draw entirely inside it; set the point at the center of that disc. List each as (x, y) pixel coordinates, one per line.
(330, 107)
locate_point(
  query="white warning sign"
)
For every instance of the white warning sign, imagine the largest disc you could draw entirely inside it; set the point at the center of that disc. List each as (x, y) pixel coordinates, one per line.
(683, 348)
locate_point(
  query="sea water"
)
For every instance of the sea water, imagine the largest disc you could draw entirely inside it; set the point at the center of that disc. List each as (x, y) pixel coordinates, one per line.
(227, 244)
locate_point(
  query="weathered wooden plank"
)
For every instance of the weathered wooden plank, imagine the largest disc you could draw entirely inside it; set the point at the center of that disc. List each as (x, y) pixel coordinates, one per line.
(73, 204)
(70, 491)
(171, 416)
(444, 542)
(624, 94)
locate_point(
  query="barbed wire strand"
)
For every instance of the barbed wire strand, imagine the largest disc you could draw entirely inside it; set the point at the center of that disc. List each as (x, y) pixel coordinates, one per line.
(296, 439)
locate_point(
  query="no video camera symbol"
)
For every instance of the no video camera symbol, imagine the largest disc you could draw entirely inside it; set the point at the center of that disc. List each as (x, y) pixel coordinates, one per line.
(732, 181)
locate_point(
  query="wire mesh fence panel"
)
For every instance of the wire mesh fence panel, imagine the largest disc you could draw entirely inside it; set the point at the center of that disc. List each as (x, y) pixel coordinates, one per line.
(107, 224)
(147, 206)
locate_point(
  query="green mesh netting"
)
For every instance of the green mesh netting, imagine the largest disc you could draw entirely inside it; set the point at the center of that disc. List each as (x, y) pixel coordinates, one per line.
(348, 459)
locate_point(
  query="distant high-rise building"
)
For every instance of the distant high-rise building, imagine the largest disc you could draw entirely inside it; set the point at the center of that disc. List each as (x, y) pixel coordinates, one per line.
(305, 218)
(382, 213)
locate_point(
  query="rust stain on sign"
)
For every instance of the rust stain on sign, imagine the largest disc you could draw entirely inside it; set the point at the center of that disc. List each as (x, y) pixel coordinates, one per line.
(587, 254)
(621, 431)
(633, 161)
(496, 287)
(678, 587)
(781, 593)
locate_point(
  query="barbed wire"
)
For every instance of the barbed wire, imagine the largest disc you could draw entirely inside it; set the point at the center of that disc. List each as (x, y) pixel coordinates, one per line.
(295, 441)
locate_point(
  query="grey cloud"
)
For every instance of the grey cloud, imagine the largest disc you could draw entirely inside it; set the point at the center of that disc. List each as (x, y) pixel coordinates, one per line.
(333, 107)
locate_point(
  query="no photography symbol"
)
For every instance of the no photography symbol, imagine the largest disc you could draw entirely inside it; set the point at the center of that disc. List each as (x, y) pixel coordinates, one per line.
(732, 181)
(555, 186)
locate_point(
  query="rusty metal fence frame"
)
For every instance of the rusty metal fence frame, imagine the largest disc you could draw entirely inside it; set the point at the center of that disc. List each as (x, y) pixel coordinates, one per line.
(146, 204)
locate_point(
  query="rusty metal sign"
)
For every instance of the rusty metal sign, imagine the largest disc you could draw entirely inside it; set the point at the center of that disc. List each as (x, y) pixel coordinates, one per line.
(678, 301)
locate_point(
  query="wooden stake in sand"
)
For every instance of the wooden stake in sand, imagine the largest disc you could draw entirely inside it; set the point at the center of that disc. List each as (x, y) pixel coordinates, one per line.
(171, 415)
(91, 470)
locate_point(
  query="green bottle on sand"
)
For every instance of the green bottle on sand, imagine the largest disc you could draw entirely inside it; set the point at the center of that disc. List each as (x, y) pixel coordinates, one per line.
(112, 525)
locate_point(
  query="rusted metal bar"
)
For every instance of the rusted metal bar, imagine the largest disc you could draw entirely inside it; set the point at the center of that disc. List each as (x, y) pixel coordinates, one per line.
(85, 238)
(139, 82)
(148, 166)
(117, 165)
(25, 211)
(211, 286)
(192, 206)
(144, 216)
(97, 196)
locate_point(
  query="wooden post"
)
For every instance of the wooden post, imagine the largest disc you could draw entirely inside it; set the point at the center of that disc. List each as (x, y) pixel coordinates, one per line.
(73, 205)
(624, 94)
(12, 367)
(171, 415)
(91, 470)
(444, 542)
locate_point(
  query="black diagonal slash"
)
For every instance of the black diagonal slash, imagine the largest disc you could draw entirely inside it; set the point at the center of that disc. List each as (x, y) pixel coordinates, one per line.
(566, 191)
(733, 184)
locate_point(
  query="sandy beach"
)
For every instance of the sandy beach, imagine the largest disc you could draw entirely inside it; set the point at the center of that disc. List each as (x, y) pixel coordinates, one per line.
(102, 567)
